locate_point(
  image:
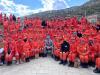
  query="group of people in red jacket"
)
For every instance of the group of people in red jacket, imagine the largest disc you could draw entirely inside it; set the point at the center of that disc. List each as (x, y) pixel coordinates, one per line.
(72, 39)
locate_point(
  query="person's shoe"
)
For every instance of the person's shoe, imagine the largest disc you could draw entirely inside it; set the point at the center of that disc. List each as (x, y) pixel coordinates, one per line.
(9, 63)
(61, 62)
(85, 65)
(40, 55)
(93, 64)
(90, 63)
(52, 56)
(65, 62)
(57, 58)
(32, 57)
(27, 60)
(96, 71)
(1, 64)
(70, 64)
(17, 63)
(44, 55)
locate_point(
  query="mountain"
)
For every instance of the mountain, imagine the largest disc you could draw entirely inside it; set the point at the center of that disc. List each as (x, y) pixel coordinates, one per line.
(90, 7)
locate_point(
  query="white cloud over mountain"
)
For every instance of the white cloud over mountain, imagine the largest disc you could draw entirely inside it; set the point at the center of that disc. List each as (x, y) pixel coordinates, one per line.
(9, 6)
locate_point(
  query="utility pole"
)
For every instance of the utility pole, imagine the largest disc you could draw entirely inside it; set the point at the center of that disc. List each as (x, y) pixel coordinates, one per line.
(85, 14)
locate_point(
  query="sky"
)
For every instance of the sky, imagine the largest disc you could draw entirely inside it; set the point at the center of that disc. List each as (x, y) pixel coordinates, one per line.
(26, 7)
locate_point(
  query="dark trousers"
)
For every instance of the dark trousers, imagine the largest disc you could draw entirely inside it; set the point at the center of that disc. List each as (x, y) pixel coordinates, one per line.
(3, 59)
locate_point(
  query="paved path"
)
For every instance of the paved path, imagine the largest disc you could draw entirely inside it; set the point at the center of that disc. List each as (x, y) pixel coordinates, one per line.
(43, 66)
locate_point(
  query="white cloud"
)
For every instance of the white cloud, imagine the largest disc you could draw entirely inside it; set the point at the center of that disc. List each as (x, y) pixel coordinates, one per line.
(8, 6)
(60, 4)
(22, 10)
(47, 4)
(11, 7)
(54, 4)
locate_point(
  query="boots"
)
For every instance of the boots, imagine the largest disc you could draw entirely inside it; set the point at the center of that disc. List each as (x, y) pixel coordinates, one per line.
(9, 63)
(27, 60)
(44, 55)
(61, 62)
(96, 70)
(40, 54)
(92, 64)
(64, 62)
(84, 65)
(32, 57)
(56, 58)
(71, 64)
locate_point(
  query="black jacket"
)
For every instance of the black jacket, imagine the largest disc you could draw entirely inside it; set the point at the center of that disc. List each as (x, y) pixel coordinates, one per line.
(14, 18)
(98, 28)
(79, 34)
(65, 47)
(44, 23)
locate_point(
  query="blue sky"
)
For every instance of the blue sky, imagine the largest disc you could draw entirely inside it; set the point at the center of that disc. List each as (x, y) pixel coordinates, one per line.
(26, 7)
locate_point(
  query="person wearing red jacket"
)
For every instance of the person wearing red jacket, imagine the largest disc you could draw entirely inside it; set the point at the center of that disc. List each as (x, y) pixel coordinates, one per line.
(32, 52)
(9, 55)
(83, 51)
(26, 49)
(40, 44)
(92, 54)
(36, 47)
(15, 52)
(97, 46)
(11, 17)
(56, 52)
(19, 50)
(5, 24)
(26, 21)
(83, 21)
(5, 41)
(73, 52)
(13, 47)
(8, 59)
(5, 17)
(12, 27)
(18, 24)
(97, 69)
